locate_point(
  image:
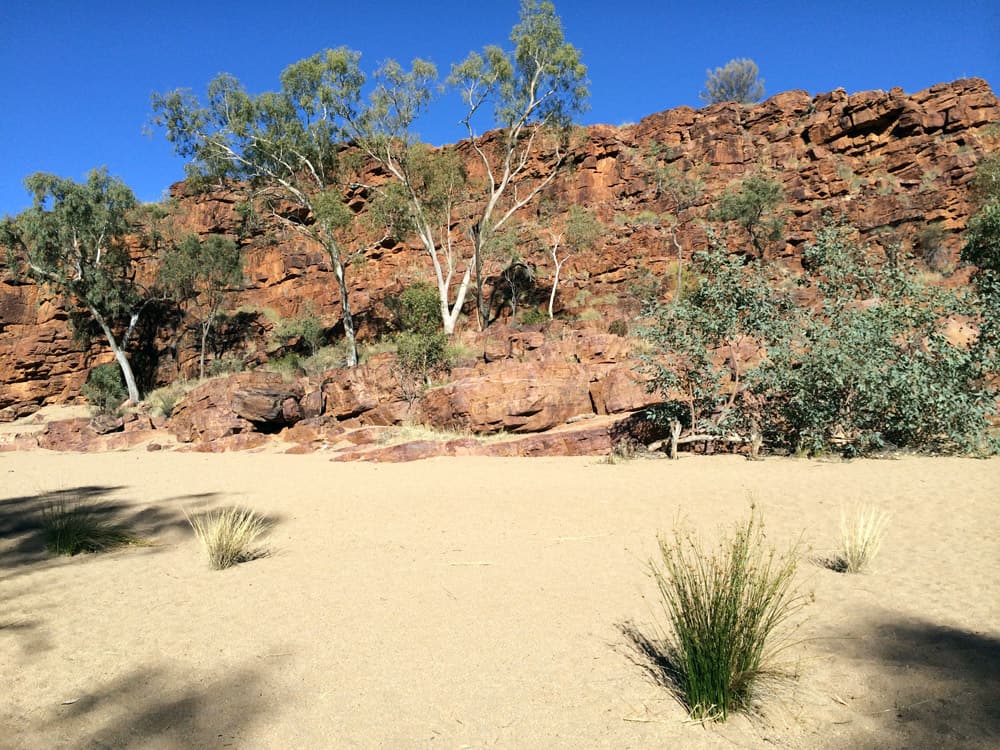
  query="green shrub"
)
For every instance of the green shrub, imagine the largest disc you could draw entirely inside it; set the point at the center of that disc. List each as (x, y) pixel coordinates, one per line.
(618, 327)
(422, 353)
(229, 535)
(105, 387)
(418, 309)
(306, 331)
(532, 316)
(70, 529)
(726, 610)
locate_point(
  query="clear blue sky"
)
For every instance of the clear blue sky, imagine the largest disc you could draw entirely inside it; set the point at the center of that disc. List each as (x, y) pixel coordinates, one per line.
(77, 76)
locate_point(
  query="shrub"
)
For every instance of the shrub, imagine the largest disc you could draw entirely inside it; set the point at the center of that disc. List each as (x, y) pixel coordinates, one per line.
(422, 354)
(861, 536)
(737, 81)
(164, 400)
(306, 331)
(532, 316)
(618, 327)
(725, 611)
(418, 309)
(71, 529)
(105, 387)
(228, 535)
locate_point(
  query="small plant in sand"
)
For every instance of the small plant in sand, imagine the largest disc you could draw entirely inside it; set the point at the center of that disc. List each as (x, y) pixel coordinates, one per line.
(726, 609)
(229, 535)
(70, 529)
(861, 534)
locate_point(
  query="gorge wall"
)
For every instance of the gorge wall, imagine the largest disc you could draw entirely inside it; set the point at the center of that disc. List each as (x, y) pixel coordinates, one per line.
(890, 163)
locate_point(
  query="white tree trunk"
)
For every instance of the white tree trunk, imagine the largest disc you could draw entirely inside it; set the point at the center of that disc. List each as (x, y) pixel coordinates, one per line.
(119, 352)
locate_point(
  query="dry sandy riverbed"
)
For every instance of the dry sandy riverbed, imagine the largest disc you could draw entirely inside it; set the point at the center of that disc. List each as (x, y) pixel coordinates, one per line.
(474, 603)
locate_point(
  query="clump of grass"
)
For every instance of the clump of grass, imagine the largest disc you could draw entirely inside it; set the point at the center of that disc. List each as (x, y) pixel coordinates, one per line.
(71, 529)
(726, 609)
(229, 535)
(861, 534)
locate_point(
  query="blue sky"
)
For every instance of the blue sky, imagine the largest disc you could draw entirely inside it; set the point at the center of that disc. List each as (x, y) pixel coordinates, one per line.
(77, 76)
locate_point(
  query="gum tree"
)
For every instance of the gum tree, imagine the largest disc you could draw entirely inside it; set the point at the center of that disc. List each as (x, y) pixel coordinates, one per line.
(737, 81)
(287, 144)
(73, 240)
(534, 91)
(198, 274)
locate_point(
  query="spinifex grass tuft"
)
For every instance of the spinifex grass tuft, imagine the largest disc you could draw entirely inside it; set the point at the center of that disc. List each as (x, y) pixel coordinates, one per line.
(724, 608)
(228, 535)
(861, 536)
(71, 529)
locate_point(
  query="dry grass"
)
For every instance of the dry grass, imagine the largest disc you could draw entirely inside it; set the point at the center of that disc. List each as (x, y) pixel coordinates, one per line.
(229, 535)
(70, 529)
(861, 534)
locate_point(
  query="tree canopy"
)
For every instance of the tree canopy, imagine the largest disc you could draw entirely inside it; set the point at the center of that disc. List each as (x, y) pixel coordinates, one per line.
(737, 81)
(288, 144)
(73, 240)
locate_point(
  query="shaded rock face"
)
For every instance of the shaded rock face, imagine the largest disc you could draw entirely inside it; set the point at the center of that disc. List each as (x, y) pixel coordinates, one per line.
(888, 162)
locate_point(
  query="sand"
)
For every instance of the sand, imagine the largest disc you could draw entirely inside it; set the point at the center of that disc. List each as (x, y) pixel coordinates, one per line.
(467, 603)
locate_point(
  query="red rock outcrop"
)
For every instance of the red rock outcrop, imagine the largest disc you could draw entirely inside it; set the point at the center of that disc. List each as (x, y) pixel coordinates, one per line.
(887, 161)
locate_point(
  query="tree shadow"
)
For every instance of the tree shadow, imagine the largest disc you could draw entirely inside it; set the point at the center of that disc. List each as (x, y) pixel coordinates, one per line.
(160, 705)
(22, 538)
(941, 686)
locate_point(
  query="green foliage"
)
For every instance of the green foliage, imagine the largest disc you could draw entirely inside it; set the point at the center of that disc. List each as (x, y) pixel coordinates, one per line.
(871, 367)
(421, 346)
(71, 529)
(418, 309)
(542, 81)
(532, 316)
(737, 81)
(986, 183)
(305, 330)
(699, 362)
(868, 367)
(583, 230)
(982, 239)
(754, 206)
(198, 274)
(618, 327)
(105, 388)
(287, 144)
(422, 354)
(73, 240)
(726, 609)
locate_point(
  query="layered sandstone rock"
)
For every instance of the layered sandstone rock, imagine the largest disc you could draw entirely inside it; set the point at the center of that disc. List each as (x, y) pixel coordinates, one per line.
(889, 162)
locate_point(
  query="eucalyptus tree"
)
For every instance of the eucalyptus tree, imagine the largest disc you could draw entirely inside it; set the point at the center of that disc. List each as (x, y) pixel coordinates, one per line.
(534, 91)
(288, 144)
(425, 183)
(73, 240)
(737, 81)
(198, 274)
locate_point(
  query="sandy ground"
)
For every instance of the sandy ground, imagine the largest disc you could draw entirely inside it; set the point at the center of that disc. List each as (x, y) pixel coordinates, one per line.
(467, 603)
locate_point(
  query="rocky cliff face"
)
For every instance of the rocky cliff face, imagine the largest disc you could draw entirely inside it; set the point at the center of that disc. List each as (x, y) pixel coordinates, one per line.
(892, 164)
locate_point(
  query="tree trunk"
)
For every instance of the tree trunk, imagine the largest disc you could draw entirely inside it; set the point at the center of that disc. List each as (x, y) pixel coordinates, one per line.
(119, 352)
(205, 326)
(345, 305)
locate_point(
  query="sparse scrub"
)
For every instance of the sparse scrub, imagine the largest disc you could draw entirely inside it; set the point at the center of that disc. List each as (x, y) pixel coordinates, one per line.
(726, 610)
(229, 535)
(861, 534)
(70, 529)
(164, 400)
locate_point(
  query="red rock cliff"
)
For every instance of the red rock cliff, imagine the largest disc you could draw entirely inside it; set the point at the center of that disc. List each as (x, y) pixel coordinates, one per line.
(891, 163)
